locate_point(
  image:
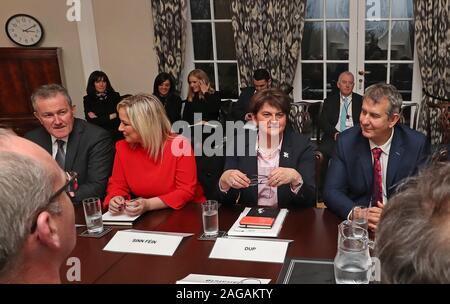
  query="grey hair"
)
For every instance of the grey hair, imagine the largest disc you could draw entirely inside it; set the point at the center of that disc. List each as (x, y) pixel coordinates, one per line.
(48, 91)
(412, 241)
(25, 190)
(377, 92)
(346, 73)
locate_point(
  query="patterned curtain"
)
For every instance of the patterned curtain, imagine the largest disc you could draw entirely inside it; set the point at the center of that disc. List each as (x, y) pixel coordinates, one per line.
(432, 25)
(268, 34)
(169, 22)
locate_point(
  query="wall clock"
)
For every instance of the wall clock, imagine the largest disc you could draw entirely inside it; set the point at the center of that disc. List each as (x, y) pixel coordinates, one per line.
(24, 30)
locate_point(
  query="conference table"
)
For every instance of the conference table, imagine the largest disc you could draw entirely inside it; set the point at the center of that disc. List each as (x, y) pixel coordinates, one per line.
(313, 231)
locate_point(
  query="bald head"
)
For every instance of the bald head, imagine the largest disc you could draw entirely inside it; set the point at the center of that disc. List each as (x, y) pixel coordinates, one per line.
(10, 142)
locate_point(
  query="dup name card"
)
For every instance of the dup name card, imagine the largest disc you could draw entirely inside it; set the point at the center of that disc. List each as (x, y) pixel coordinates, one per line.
(246, 249)
(144, 243)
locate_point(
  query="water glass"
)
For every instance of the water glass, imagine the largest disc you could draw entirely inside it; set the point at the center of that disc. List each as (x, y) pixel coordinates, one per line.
(93, 214)
(210, 215)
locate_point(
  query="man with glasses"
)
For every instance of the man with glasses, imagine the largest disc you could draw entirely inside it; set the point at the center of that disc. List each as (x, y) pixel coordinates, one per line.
(75, 144)
(37, 216)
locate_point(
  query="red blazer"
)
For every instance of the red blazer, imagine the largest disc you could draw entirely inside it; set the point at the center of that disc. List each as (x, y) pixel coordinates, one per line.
(172, 178)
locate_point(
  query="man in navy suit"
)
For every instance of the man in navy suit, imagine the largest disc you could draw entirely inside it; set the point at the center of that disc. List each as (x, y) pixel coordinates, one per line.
(261, 81)
(373, 158)
(74, 143)
(340, 112)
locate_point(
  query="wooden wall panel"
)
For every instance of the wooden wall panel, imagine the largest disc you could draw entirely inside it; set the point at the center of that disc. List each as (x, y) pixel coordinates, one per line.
(22, 70)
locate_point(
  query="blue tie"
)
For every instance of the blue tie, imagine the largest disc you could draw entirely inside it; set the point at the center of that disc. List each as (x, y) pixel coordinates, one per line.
(344, 112)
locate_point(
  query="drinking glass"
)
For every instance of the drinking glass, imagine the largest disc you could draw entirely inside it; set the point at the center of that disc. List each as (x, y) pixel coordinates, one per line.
(93, 214)
(210, 214)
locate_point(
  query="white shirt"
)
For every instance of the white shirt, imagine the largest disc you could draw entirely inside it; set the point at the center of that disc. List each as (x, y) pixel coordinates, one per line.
(349, 121)
(384, 158)
(55, 145)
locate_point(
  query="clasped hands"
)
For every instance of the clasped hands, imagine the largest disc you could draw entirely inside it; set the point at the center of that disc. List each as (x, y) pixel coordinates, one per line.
(133, 207)
(277, 177)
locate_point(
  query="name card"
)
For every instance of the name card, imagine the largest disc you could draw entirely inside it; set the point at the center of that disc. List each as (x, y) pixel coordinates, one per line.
(212, 279)
(247, 249)
(144, 242)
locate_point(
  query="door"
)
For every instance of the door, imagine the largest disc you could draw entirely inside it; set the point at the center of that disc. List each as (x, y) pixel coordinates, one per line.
(374, 39)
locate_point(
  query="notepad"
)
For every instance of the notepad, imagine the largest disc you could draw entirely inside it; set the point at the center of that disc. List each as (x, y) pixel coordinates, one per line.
(121, 219)
(236, 230)
(259, 218)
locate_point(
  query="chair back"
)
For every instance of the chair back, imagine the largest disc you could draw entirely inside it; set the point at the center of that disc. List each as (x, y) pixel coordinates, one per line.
(413, 107)
(300, 118)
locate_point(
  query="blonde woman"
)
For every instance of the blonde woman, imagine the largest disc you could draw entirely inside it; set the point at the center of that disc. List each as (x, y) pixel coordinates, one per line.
(202, 99)
(145, 165)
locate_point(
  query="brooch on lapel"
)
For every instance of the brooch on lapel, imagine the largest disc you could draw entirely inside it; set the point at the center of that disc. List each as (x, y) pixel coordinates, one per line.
(285, 155)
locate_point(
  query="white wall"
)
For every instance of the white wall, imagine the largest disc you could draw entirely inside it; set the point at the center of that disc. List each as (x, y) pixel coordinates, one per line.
(125, 41)
(58, 32)
(123, 31)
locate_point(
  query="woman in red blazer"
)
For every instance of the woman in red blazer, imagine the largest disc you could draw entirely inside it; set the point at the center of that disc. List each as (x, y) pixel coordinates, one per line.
(151, 164)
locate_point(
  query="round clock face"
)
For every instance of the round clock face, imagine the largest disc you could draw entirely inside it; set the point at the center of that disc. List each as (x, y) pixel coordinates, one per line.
(24, 30)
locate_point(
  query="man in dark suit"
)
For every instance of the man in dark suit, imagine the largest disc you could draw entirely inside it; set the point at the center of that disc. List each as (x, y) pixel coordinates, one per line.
(75, 144)
(261, 81)
(373, 158)
(340, 112)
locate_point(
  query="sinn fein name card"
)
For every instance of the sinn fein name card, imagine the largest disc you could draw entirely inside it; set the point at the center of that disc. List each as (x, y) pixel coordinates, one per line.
(145, 242)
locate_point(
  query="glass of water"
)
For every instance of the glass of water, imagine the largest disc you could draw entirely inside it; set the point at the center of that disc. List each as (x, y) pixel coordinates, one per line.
(210, 215)
(93, 214)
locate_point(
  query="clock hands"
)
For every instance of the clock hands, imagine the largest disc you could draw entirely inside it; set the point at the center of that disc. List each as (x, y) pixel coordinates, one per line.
(28, 29)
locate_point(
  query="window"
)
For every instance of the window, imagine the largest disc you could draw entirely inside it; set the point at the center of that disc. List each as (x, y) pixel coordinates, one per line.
(212, 43)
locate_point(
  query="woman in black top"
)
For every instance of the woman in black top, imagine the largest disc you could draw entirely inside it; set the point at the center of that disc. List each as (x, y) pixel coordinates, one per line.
(100, 104)
(202, 99)
(164, 89)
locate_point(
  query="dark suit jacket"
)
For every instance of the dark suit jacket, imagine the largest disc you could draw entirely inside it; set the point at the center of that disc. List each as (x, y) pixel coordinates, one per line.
(173, 104)
(240, 107)
(329, 118)
(296, 152)
(90, 153)
(350, 175)
(208, 106)
(103, 109)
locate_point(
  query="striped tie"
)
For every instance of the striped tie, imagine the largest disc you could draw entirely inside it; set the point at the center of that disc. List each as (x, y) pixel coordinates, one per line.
(60, 155)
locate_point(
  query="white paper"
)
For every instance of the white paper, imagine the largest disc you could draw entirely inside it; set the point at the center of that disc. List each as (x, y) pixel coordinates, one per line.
(235, 230)
(247, 249)
(144, 243)
(122, 217)
(213, 279)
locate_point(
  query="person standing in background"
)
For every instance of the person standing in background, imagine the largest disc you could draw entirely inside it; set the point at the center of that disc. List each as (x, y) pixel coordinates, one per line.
(100, 104)
(202, 99)
(164, 89)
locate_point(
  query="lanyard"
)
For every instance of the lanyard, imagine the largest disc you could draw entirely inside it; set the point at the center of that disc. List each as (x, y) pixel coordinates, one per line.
(346, 109)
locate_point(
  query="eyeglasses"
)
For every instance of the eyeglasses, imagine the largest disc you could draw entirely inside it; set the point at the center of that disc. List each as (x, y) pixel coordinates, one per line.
(69, 187)
(257, 179)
